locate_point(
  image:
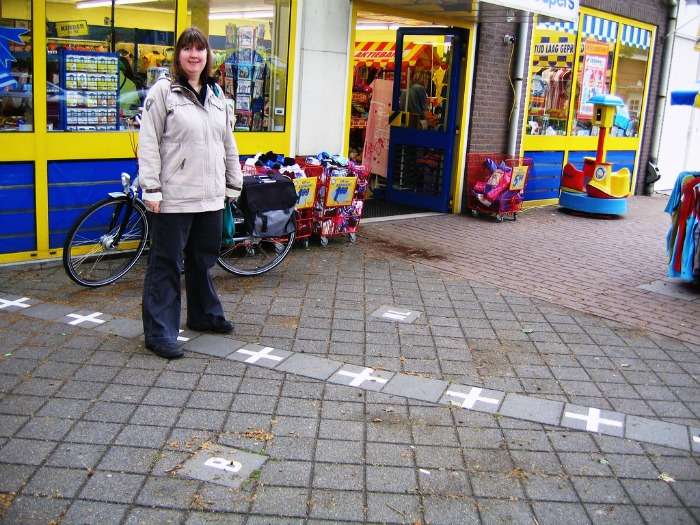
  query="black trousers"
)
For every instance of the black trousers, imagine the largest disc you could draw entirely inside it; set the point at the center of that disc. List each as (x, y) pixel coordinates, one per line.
(198, 237)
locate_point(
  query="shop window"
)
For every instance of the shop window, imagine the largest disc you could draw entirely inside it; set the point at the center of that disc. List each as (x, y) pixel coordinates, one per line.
(552, 71)
(597, 53)
(16, 95)
(101, 57)
(630, 78)
(250, 41)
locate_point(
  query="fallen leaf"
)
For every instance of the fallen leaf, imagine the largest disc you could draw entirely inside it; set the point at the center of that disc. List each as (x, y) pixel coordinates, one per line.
(518, 473)
(377, 420)
(665, 477)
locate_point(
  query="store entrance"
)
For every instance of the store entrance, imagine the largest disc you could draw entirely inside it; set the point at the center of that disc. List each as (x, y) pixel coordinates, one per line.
(405, 107)
(423, 121)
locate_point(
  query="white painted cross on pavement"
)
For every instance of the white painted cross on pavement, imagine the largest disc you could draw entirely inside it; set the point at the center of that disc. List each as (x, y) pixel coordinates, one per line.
(396, 315)
(470, 399)
(593, 419)
(696, 439)
(361, 377)
(261, 354)
(93, 318)
(19, 303)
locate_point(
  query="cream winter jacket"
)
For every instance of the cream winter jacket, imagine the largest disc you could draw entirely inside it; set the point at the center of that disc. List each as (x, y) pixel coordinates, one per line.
(188, 158)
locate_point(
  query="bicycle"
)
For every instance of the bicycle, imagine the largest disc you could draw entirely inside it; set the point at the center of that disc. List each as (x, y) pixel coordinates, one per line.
(109, 237)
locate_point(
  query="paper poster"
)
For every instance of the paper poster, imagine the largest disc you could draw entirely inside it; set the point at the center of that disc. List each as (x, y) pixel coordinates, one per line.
(595, 65)
(306, 191)
(375, 154)
(341, 191)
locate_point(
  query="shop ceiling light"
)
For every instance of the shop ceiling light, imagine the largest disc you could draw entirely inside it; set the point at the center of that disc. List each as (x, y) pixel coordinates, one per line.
(246, 15)
(88, 4)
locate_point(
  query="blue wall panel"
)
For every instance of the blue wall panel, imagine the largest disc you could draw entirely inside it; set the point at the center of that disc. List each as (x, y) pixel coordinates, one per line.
(17, 207)
(76, 185)
(544, 179)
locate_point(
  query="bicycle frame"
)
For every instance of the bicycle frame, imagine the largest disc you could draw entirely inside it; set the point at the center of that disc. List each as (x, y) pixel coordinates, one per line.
(130, 189)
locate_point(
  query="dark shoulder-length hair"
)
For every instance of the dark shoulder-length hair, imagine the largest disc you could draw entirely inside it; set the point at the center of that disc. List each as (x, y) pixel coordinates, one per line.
(192, 37)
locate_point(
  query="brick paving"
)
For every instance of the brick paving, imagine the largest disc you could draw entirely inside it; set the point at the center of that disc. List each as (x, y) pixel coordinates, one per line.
(591, 265)
(94, 429)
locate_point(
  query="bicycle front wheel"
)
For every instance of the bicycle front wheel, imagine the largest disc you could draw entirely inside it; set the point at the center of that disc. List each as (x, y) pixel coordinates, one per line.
(252, 255)
(105, 242)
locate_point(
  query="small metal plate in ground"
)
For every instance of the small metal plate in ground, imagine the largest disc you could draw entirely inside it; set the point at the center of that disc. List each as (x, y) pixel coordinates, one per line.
(222, 465)
(395, 314)
(675, 289)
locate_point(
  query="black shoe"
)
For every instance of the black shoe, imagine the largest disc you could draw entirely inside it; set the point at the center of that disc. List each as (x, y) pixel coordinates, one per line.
(167, 350)
(222, 327)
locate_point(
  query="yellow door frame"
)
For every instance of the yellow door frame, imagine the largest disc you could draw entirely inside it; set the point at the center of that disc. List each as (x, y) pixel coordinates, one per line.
(41, 147)
(569, 143)
(466, 82)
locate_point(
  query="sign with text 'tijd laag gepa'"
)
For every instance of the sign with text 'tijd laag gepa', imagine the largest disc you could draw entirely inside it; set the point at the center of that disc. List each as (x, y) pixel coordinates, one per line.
(562, 9)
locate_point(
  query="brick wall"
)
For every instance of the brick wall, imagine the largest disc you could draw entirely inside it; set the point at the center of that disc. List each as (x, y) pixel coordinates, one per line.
(492, 94)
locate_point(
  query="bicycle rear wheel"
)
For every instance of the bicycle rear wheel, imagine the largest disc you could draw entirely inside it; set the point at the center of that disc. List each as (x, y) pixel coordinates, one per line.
(105, 242)
(252, 255)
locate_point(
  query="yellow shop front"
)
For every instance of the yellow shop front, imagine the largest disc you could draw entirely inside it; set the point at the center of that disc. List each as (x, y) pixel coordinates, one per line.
(71, 75)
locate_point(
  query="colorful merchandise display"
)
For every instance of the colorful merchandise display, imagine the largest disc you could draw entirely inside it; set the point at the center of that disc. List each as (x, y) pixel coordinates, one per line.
(496, 184)
(683, 238)
(330, 192)
(243, 77)
(597, 189)
(90, 96)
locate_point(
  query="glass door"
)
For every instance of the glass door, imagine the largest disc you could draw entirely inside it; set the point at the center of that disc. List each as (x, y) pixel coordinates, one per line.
(428, 68)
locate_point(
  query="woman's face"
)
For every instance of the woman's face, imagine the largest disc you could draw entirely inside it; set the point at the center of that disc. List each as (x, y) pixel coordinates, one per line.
(193, 61)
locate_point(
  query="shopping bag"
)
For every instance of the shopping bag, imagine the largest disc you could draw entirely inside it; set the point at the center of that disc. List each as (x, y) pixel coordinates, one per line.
(229, 228)
(268, 203)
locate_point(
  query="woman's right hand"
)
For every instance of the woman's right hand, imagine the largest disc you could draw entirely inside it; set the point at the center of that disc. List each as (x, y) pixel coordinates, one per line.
(152, 206)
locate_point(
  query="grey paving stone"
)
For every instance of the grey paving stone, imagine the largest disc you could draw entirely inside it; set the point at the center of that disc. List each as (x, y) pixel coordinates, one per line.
(286, 501)
(258, 355)
(361, 377)
(593, 420)
(450, 509)
(650, 492)
(13, 477)
(128, 328)
(55, 482)
(9, 424)
(393, 508)
(112, 487)
(129, 459)
(93, 432)
(309, 366)
(338, 476)
(167, 492)
(26, 451)
(472, 398)
(531, 409)
(495, 485)
(286, 473)
(82, 512)
(415, 387)
(214, 345)
(48, 311)
(217, 518)
(494, 512)
(28, 510)
(657, 432)
(222, 465)
(559, 513)
(597, 490)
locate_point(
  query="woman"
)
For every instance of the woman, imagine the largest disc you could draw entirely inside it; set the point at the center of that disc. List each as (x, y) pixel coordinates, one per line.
(188, 164)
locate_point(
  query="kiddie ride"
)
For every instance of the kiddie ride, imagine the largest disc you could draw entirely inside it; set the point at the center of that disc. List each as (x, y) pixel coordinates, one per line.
(597, 189)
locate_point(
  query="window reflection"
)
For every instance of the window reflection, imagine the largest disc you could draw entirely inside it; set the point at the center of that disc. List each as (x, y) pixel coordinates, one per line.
(98, 67)
(250, 41)
(630, 79)
(16, 79)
